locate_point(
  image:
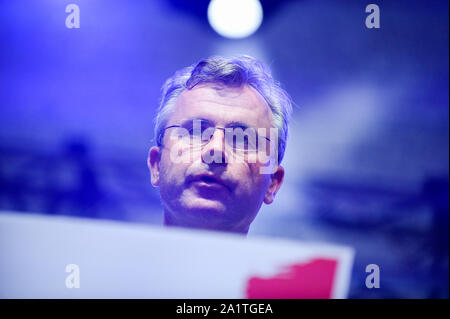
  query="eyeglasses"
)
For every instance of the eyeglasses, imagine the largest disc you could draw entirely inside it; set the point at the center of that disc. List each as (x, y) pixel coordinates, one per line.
(199, 132)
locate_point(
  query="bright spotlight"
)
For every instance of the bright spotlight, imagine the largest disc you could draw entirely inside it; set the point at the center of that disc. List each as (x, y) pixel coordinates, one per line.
(235, 18)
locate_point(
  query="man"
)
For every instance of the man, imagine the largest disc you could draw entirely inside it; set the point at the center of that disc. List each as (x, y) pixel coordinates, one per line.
(221, 133)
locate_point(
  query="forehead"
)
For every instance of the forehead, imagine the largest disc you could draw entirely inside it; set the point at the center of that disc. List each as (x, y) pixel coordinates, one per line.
(223, 105)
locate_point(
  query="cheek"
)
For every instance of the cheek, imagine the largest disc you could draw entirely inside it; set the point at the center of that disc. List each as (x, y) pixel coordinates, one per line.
(261, 181)
(251, 181)
(172, 174)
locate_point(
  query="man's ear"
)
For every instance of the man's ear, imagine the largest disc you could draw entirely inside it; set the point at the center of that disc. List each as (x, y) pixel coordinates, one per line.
(153, 160)
(276, 179)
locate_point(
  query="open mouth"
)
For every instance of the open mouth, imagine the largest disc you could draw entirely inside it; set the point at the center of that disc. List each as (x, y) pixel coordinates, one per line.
(208, 181)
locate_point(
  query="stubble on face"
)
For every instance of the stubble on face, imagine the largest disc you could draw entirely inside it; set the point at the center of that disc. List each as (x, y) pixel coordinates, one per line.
(229, 207)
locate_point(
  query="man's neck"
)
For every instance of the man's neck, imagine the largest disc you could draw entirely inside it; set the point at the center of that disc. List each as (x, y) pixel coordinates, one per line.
(171, 222)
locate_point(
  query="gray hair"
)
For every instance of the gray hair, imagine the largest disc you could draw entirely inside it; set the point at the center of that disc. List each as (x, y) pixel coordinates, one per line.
(231, 72)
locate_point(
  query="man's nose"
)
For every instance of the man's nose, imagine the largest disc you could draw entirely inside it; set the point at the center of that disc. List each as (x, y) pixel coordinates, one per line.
(213, 152)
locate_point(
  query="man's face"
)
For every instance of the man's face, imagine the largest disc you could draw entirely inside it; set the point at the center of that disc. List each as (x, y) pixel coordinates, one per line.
(203, 194)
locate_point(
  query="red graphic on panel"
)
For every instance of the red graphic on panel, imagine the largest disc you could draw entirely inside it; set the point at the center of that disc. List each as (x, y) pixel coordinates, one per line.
(311, 280)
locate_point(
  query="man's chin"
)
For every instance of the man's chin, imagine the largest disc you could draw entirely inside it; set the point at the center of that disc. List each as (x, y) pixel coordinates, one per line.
(205, 214)
(206, 206)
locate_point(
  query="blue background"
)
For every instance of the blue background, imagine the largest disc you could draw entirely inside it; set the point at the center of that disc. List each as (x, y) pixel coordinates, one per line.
(368, 153)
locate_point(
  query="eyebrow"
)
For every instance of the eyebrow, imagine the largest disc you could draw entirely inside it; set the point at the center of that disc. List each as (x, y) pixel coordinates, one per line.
(237, 124)
(231, 124)
(184, 122)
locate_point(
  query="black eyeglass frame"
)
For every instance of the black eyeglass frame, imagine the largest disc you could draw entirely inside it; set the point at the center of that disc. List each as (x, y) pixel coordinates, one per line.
(161, 134)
